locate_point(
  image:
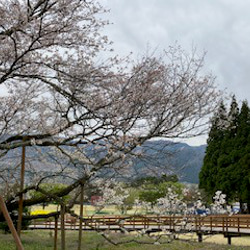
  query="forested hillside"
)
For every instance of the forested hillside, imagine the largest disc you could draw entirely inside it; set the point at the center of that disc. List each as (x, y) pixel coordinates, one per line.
(155, 157)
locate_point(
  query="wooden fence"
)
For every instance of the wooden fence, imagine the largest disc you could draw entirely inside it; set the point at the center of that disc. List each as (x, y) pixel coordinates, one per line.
(212, 223)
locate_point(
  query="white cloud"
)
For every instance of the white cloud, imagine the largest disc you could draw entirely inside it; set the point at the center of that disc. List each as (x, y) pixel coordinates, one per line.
(220, 27)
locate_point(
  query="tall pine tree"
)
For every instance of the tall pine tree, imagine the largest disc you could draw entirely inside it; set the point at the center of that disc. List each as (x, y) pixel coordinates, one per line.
(209, 172)
(225, 178)
(226, 165)
(242, 166)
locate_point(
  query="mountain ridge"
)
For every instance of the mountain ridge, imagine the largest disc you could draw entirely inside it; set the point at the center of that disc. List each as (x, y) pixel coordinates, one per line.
(157, 157)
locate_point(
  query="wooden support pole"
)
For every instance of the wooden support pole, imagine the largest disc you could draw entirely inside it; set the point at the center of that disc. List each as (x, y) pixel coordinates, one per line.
(81, 215)
(20, 207)
(229, 240)
(56, 232)
(10, 224)
(63, 247)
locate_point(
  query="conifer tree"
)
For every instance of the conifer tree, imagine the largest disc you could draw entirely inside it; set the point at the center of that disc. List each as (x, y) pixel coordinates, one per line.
(209, 172)
(226, 158)
(242, 166)
(226, 165)
(233, 118)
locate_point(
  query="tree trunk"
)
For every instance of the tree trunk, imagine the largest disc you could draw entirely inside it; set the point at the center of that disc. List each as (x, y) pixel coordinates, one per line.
(248, 207)
(241, 207)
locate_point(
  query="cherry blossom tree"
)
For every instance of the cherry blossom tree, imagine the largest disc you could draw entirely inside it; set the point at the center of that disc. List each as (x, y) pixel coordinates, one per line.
(184, 217)
(87, 113)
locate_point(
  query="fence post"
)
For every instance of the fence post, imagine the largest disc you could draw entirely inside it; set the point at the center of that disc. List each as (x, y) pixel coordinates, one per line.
(238, 224)
(199, 237)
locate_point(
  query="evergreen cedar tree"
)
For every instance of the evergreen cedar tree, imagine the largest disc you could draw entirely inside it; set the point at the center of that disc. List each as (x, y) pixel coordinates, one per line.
(226, 165)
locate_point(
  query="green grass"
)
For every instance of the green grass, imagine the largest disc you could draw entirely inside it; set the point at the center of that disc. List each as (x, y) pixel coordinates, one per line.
(43, 240)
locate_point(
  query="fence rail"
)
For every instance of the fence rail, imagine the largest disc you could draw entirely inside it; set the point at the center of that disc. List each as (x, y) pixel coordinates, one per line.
(211, 223)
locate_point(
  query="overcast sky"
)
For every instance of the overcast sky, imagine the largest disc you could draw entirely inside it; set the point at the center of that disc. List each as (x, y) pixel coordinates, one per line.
(219, 27)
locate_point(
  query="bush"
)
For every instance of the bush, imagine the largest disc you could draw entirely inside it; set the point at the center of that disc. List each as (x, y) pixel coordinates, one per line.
(25, 223)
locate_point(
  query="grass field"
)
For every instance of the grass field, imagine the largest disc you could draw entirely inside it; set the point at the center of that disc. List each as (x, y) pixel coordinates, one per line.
(43, 240)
